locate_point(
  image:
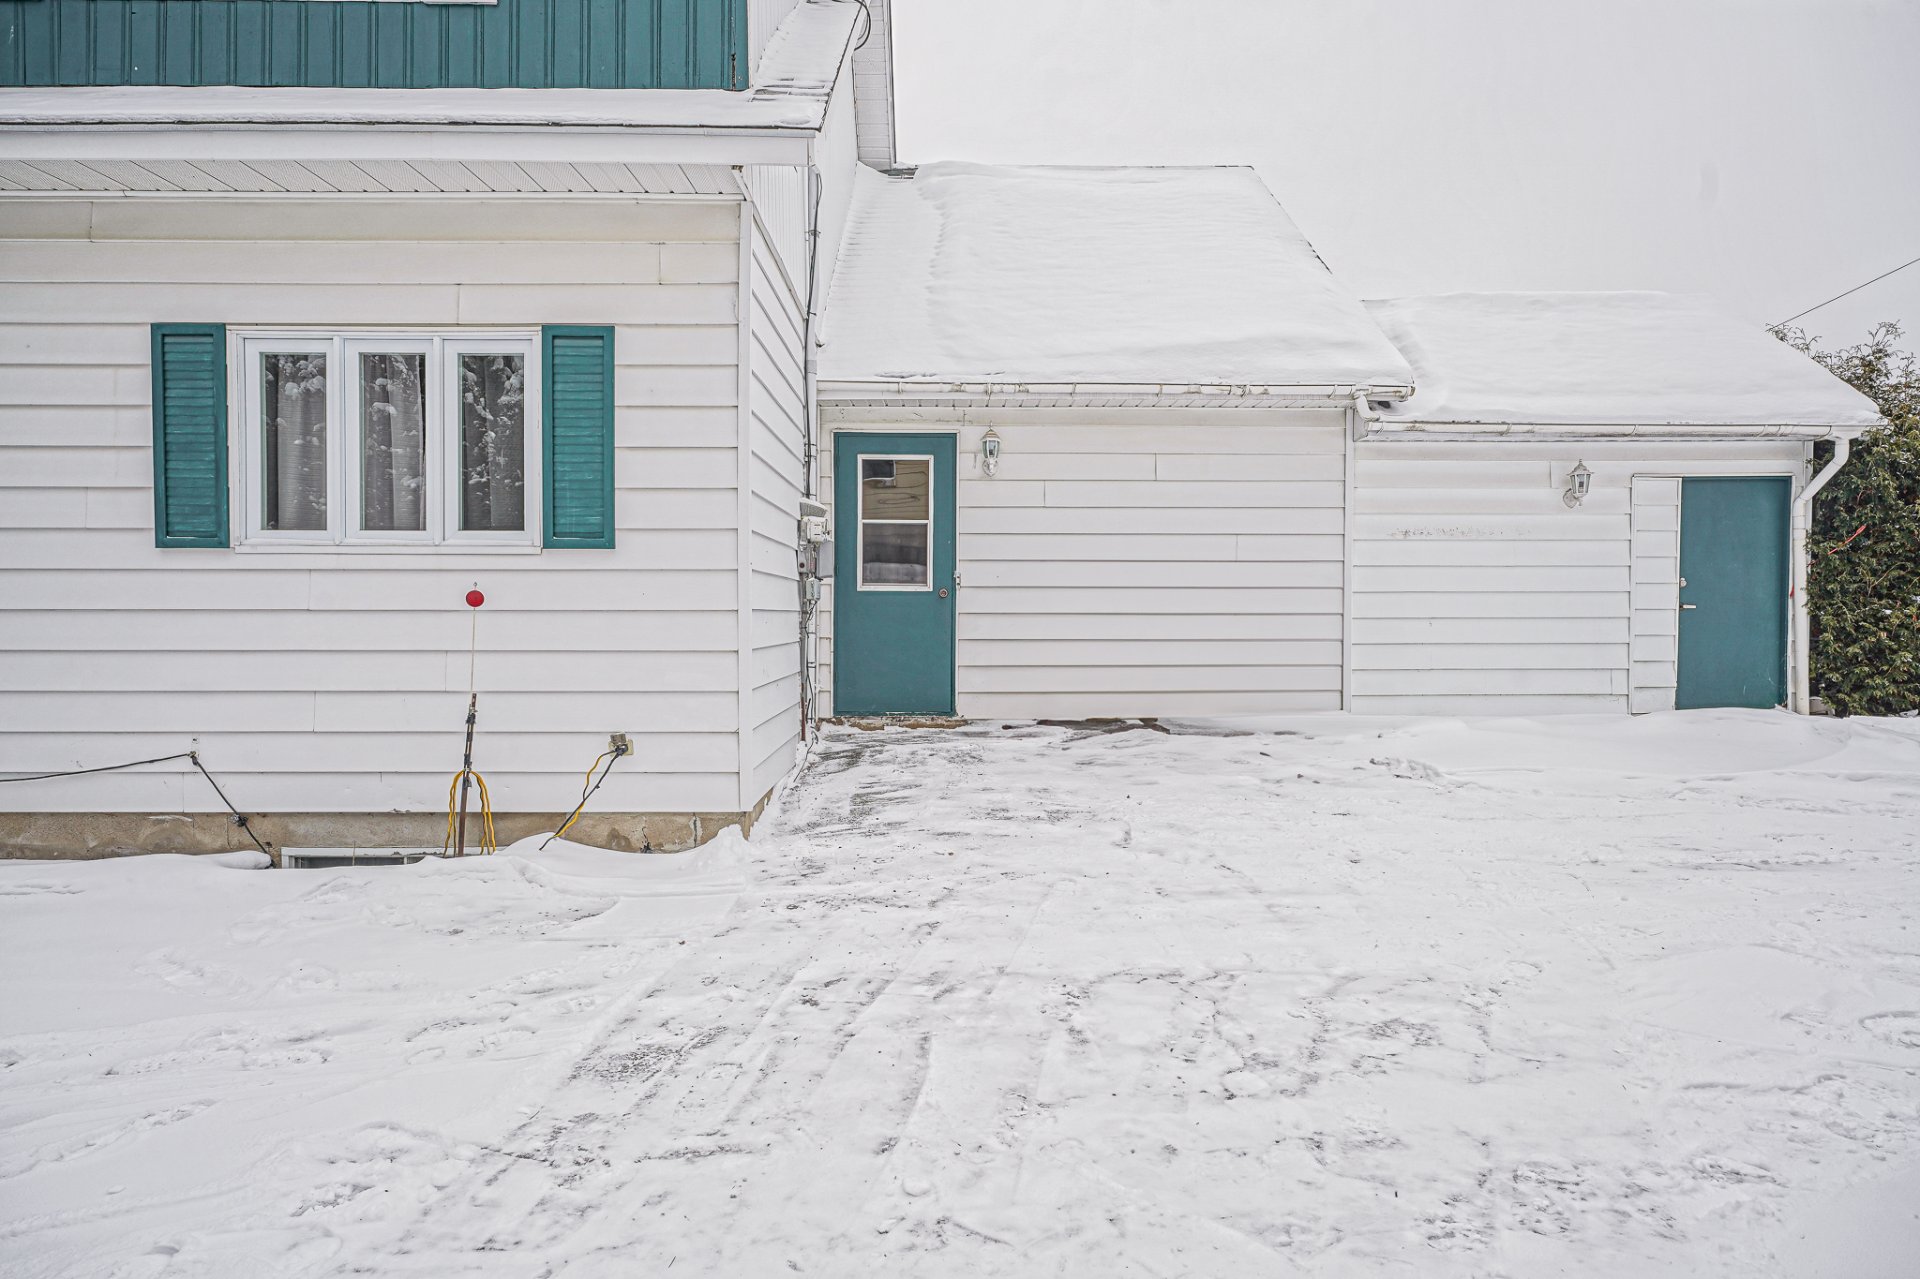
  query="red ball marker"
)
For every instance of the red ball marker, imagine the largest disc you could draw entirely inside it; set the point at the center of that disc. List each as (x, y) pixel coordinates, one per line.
(475, 599)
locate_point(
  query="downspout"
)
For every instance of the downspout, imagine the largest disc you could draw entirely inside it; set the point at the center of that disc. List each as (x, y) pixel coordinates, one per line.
(1363, 414)
(1357, 423)
(809, 325)
(1802, 673)
(810, 451)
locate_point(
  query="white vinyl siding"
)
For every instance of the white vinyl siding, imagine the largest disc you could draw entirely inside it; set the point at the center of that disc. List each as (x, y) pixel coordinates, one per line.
(1143, 562)
(839, 159)
(328, 681)
(776, 432)
(873, 87)
(763, 19)
(1476, 590)
(1656, 592)
(783, 197)
(779, 196)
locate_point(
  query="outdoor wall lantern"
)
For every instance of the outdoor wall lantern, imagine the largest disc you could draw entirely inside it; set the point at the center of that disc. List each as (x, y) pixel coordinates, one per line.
(1579, 484)
(990, 452)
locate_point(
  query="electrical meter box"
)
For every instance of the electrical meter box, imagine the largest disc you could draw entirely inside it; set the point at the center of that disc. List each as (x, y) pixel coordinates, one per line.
(816, 540)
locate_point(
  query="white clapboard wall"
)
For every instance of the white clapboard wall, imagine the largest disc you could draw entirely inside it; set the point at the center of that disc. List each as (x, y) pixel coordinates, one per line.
(873, 86)
(763, 19)
(785, 199)
(1477, 591)
(337, 682)
(774, 392)
(1142, 562)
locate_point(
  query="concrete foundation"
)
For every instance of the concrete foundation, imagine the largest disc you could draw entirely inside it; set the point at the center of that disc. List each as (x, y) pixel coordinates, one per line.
(87, 835)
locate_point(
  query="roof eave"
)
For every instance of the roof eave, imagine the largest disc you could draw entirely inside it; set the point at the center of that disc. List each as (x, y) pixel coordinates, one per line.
(1468, 430)
(604, 143)
(995, 391)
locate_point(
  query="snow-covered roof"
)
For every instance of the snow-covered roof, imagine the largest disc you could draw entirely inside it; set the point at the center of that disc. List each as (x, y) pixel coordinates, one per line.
(790, 91)
(1604, 359)
(967, 273)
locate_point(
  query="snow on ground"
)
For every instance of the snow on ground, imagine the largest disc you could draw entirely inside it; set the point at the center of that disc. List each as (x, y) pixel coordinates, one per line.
(1588, 996)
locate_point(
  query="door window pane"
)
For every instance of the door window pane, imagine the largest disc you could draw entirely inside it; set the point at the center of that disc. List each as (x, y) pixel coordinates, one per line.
(895, 488)
(393, 443)
(896, 530)
(893, 554)
(493, 462)
(293, 413)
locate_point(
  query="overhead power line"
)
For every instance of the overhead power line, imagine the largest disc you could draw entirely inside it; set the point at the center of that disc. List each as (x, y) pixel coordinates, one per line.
(1849, 293)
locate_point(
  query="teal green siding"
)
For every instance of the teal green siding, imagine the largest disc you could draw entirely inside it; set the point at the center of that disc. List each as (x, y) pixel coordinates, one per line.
(189, 435)
(527, 44)
(577, 468)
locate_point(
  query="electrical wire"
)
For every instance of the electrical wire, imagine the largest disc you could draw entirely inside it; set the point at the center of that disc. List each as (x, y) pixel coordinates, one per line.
(239, 818)
(104, 768)
(1849, 293)
(488, 844)
(589, 788)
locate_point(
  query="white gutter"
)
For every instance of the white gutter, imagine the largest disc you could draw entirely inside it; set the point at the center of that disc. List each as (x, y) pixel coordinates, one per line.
(1801, 673)
(855, 390)
(1469, 430)
(608, 144)
(1366, 419)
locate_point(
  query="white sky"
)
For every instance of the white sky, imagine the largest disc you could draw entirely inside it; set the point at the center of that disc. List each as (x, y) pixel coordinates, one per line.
(1766, 152)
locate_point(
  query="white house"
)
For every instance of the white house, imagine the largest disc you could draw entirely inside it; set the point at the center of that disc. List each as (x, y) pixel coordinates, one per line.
(284, 371)
(615, 329)
(1484, 582)
(1167, 371)
(1218, 489)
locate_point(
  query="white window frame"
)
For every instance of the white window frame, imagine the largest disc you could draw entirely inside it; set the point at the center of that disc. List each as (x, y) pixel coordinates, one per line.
(343, 348)
(860, 582)
(353, 480)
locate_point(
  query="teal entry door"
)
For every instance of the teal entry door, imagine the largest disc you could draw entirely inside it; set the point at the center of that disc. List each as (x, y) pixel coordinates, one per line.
(893, 586)
(1734, 585)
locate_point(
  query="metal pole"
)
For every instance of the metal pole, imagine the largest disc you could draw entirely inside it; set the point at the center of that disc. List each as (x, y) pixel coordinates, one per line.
(467, 772)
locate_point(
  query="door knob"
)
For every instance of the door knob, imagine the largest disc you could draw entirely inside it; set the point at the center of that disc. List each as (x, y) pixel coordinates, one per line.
(943, 595)
(1689, 606)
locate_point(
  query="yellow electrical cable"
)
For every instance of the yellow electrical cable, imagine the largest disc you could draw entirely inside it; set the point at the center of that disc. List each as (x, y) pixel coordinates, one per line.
(589, 781)
(487, 842)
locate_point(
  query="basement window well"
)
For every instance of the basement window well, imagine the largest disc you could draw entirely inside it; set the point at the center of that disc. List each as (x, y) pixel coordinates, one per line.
(322, 858)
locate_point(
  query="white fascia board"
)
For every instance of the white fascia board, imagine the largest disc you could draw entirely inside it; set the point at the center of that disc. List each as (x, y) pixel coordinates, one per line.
(365, 142)
(855, 391)
(1599, 431)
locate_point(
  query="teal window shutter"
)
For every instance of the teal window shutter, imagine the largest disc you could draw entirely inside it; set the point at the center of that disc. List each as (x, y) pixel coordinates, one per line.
(189, 435)
(577, 470)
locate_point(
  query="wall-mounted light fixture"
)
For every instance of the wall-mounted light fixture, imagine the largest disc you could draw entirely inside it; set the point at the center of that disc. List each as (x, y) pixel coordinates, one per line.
(1579, 484)
(990, 452)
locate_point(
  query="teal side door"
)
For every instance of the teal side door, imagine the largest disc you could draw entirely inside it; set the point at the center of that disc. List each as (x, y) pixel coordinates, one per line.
(893, 587)
(1734, 584)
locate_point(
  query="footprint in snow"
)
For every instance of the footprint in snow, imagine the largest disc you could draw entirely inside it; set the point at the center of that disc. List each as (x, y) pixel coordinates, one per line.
(1243, 1083)
(1901, 1029)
